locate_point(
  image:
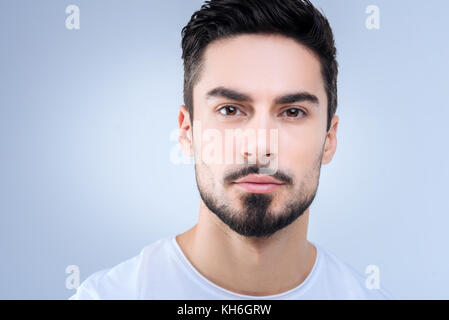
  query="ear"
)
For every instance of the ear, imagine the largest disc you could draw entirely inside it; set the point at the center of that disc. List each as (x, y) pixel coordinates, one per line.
(330, 145)
(185, 131)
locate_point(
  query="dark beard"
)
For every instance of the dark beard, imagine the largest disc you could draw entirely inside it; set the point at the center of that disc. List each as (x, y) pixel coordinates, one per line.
(256, 220)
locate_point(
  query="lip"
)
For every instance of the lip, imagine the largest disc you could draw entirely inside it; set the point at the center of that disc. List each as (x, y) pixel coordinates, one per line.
(258, 183)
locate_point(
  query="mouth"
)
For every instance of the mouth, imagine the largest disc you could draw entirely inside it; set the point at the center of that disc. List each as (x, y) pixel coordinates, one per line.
(258, 184)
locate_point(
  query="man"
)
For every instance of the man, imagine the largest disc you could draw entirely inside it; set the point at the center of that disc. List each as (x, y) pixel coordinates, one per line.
(262, 75)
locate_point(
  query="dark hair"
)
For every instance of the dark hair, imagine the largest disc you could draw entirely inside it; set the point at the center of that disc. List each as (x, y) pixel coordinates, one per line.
(296, 19)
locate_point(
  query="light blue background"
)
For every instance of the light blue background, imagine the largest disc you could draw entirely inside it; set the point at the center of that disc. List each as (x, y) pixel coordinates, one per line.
(85, 123)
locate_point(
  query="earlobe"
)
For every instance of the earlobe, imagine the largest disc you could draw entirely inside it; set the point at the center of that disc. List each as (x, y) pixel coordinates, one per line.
(325, 158)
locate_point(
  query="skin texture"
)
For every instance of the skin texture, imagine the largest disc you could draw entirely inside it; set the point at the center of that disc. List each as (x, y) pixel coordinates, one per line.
(263, 67)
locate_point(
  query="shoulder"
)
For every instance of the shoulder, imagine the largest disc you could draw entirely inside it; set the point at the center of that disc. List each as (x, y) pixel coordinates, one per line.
(345, 281)
(121, 281)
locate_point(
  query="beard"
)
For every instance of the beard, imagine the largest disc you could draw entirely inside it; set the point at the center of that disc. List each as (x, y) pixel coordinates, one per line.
(255, 218)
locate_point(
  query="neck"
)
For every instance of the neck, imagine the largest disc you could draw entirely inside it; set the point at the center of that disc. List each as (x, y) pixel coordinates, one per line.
(249, 266)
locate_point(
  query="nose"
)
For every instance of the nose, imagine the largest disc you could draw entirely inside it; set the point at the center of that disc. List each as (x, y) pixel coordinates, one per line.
(257, 149)
(259, 145)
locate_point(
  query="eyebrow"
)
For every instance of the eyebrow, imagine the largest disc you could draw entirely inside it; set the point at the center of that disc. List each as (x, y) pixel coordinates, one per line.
(232, 94)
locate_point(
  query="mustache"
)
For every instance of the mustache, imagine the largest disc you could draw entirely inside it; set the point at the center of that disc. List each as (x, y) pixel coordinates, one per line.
(243, 172)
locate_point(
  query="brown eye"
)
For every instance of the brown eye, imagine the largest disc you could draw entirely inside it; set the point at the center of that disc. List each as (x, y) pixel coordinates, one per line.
(229, 110)
(294, 112)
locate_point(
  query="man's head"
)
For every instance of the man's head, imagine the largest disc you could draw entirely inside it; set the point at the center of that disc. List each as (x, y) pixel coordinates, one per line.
(259, 65)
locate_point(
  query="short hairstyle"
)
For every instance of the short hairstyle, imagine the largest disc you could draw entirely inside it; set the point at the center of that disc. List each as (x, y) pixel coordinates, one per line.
(296, 19)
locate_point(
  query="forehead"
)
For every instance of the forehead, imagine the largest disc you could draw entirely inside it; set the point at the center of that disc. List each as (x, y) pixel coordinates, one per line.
(263, 65)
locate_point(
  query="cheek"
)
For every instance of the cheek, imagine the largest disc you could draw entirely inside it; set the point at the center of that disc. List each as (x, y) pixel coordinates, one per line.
(209, 156)
(299, 148)
(207, 179)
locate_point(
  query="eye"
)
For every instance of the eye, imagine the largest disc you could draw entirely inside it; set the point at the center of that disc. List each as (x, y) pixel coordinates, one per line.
(229, 110)
(294, 112)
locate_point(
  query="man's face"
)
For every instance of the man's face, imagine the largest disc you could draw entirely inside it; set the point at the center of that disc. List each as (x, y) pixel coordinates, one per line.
(271, 88)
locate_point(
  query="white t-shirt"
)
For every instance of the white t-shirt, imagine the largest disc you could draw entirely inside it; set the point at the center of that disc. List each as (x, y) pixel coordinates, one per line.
(162, 271)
